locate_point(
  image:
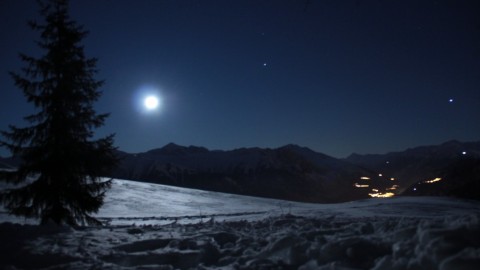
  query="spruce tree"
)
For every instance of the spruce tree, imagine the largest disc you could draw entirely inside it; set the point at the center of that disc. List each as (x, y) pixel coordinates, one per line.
(59, 178)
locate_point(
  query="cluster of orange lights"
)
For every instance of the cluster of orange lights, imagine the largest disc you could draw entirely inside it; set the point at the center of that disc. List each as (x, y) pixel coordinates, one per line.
(393, 187)
(362, 185)
(433, 180)
(381, 195)
(375, 192)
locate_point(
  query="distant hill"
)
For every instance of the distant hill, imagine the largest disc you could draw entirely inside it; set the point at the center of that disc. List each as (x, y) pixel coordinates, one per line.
(297, 173)
(290, 172)
(459, 179)
(456, 164)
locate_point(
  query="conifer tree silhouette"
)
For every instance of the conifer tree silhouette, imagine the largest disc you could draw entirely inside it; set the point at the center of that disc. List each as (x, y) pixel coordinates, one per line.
(59, 178)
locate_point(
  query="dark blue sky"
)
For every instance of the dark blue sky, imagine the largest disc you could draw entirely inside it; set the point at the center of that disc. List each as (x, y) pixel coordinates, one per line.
(336, 76)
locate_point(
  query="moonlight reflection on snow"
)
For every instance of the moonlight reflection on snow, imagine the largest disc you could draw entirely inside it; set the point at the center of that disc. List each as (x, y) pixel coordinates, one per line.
(165, 227)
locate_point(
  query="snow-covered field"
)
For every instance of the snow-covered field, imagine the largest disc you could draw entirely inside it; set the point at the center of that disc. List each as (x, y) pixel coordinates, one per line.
(160, 227)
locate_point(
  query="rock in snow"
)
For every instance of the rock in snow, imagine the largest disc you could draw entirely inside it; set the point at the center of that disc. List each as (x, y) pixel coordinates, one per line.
(158, 227)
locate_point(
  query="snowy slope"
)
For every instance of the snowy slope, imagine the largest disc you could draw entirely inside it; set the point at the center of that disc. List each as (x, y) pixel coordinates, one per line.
(146, 203)
(177, 228)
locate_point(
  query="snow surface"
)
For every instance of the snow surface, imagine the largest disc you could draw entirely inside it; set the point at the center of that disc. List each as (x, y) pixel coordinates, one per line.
(161, 227)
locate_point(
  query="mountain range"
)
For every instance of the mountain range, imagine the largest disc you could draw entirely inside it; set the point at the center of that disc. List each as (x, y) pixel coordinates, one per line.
(298, 173)
(290, 172)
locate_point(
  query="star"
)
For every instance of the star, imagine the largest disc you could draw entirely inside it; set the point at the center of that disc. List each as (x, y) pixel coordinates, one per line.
(450, 100)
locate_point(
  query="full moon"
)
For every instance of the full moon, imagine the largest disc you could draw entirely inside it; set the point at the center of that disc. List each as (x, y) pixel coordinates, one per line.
(151, 102)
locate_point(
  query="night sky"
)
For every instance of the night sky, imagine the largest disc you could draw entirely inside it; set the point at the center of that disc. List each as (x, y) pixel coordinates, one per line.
(335, 76)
